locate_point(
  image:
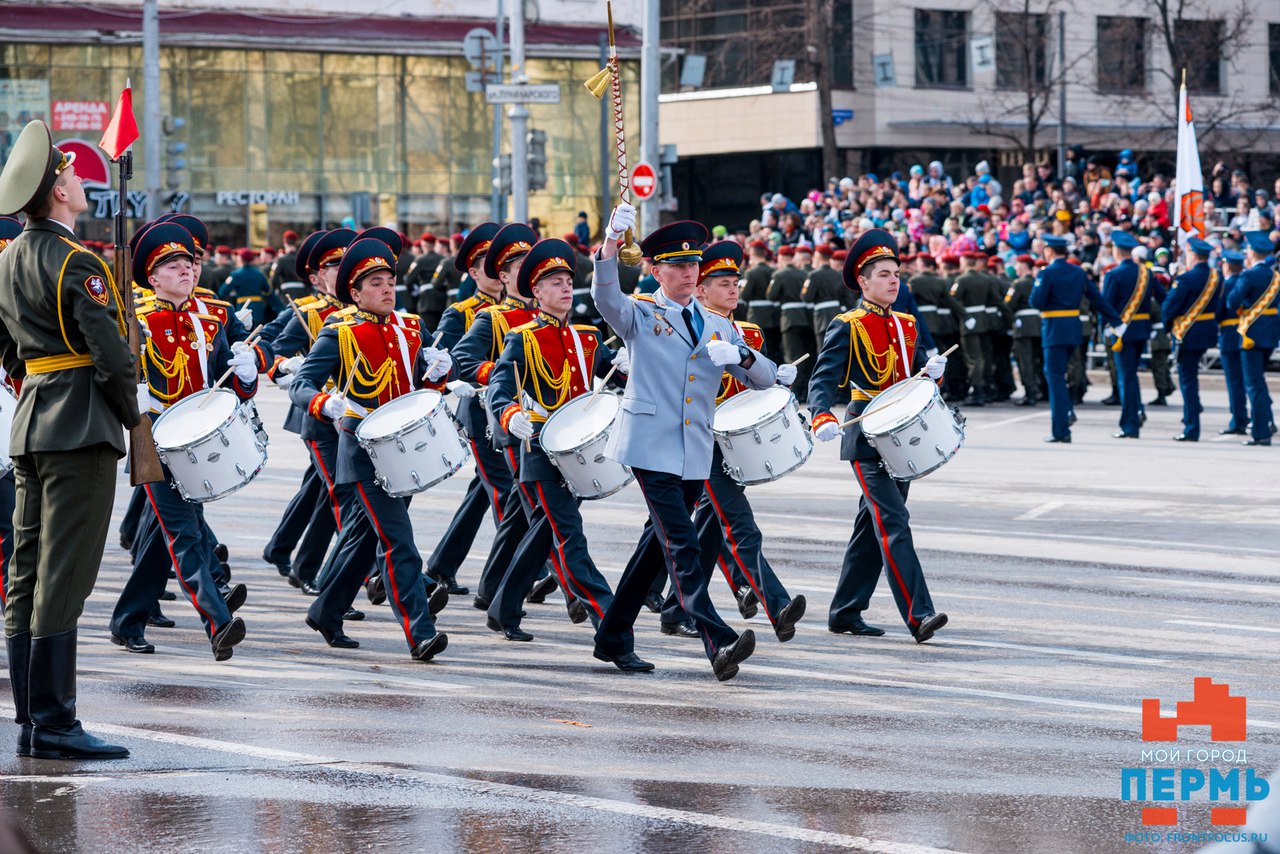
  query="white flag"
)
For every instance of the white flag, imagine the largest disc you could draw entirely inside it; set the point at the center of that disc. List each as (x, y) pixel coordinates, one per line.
(1188, 208)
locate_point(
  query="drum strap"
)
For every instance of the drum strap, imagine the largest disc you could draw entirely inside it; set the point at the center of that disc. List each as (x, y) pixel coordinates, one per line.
(902, 346)
(197, 329)
(404, 355)
(582, 362)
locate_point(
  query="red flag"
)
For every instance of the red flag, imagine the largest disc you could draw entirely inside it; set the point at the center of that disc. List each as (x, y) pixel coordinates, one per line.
(123, 130)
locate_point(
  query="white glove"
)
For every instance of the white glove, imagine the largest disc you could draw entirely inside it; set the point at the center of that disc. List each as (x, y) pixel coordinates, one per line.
(786, 374)
(1017, 323)
(144, 398)
(290, 365)
(335, 407)
(827, 431)
(971, 324)
(1119, 330)
(622, 360)
(520, 426)
(439, 363)
(1154, 334)
(245, 316)
(239, 346)
(462, 390)
(723, 353)
(622, 218)
(282, 379)
(936, 367)
(245, 365)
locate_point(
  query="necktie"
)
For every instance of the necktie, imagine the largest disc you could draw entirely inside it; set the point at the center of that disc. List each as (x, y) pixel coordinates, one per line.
(693, 320)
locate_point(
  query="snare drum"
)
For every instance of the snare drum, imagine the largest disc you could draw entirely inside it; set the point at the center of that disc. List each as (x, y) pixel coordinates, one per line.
(574, 439)
(8, 406)
(414, 443)
(211, 451)
(493, 432)
(760, 435)
(911, 427)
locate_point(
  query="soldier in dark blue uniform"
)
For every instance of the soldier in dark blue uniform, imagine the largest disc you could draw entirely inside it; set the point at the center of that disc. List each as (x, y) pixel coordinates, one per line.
(1057, 294)
(371, 518)
(1190, 311)
(1256, 298)
(1127, 289)
(492, 480)
(1230, 353)
(553, 361)
(247, 287)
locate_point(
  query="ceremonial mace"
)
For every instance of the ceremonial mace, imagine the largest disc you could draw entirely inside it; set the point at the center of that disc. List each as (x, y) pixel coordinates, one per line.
(609, 78)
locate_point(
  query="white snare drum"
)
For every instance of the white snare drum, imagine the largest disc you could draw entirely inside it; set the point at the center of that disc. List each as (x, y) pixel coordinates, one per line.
(213, 451)
(760, 435)
(574, 439)
(912, 428)
(8, 406)
(414, 442)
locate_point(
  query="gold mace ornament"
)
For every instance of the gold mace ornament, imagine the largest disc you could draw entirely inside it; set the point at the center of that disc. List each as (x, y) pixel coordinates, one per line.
(606, 79)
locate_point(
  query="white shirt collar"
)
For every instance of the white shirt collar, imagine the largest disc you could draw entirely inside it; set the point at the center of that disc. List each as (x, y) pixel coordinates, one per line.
(69, 229)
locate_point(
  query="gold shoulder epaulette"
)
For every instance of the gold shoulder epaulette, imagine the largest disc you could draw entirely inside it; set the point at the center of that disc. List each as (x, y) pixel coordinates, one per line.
(644, 297)
(306, 300)
(852, 315)
(467, 304)
(746, 324)
(905, 315)
(585, 327)
(532, 324)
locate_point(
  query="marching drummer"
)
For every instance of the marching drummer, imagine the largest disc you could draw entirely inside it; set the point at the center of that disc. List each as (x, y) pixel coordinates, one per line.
(869, 349)
(185, 352)
(553, 362)
(477, 354)
(375, 360)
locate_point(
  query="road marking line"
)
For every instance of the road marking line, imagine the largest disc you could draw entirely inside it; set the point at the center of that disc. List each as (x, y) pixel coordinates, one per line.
(1057, 650)
(1006, 421)
(1223, 626)
(1221, 586)
(526, 793)
(1037, 512)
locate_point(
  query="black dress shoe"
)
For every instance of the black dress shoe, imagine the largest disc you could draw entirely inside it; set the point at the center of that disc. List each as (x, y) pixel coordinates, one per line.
(1233, 431)
(515, 633)
(577, 611)
(682, 629)
(1027, 401)
(480, 603)
(221, 553)
(1263, 442)
(437, 599)
(353, 615)
(855, 626)
(137, 644)
(1065, 440)
(725, 664)
(284, 566)
(375, 589)
(431, 647)
(628, 662)
(748, 604)
(160, 621)
(1183, 437)
(492, 624)
(226, 571)
(1110, 400)
(309, 589)
(72, 742)
(451, 585)
(226, 638)
(167, 596)
(785, 628)
(126, 543)
(235, 596)
(653, 601)
(928, 626)
(1124, 435)
(1160, 400)
(336, 639)
(541, 590)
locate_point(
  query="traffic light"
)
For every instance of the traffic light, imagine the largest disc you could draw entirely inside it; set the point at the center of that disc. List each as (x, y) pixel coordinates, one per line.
(502, 182)
(536, 140)
(174, 152)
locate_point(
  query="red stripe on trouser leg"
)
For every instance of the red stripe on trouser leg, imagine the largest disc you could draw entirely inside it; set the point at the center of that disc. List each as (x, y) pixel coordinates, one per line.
(671, 567)
(386, 550)
(177, 570)
(555, 531)
(328, 482)
(733, 549)
(884, 545)
(554, 555)
(494, 498)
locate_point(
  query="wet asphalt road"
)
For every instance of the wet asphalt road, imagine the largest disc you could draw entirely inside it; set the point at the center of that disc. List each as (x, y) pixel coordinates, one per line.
(1078, 579)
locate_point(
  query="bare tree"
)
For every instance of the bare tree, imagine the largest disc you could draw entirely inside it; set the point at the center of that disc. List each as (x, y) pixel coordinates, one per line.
(819, 49)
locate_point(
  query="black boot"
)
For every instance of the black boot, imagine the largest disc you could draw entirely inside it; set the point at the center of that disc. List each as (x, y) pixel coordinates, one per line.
(56, 734)
(19, 647)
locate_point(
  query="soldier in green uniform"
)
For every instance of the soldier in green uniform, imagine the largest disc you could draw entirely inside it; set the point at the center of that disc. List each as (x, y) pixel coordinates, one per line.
(63, 334)
(797, 328)
(930, 291)
(1000, 335)
(215, 272)
(824, 290)
(761, 311)
(1161, 346)
(968, 300)
(282, 269)
(1026, 331)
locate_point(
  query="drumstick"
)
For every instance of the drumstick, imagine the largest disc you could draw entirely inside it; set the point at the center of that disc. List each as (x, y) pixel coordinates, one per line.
(434, 342)
(857, 418)
(612, 338)
(599, 388)
(799, 361)
(253, 336)
(298, 313)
